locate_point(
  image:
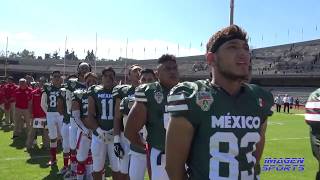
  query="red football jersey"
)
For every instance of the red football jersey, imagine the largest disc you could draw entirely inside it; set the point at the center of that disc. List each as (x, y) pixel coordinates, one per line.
(10, 91)
(2, 94)
(37, 111)
(22, 97)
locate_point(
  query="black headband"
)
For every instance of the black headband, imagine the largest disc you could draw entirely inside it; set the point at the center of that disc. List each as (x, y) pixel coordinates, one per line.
(224, 39)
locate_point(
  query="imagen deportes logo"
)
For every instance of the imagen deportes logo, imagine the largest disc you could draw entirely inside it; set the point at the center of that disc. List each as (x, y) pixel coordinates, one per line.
(283, 164)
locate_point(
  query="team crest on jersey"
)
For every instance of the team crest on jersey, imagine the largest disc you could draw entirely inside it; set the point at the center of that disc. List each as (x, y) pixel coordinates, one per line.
(204, 100)
(158, 96)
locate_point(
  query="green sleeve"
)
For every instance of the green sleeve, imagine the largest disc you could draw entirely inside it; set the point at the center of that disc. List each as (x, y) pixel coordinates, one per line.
(181, 102)
(140, 94)
(116, 92)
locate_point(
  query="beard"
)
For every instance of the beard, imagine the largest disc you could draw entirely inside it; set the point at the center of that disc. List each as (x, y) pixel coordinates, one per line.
(229, 74)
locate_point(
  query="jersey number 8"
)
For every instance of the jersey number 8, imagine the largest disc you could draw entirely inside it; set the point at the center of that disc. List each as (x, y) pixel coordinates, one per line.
(53, 100)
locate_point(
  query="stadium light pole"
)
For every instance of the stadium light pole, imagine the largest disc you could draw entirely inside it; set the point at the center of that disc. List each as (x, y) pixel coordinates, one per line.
(95, 58)
(231, 11)
(64, 59)
(125, 64)
(6, 62)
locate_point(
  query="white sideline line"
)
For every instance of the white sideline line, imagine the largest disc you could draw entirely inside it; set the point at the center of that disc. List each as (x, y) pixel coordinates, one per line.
(277, 139)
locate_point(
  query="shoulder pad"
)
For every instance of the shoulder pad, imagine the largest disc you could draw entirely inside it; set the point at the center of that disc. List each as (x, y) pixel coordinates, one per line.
(118, 88)
(71, 83)
(63, 92)
(184, 90)
(79, 93)
(91, 87)
(315, 95)
(96, 88)
(47, 87)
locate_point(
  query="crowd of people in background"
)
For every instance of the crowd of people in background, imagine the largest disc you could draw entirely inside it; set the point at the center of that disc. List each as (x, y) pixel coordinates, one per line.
(20, 105)
(288, 102)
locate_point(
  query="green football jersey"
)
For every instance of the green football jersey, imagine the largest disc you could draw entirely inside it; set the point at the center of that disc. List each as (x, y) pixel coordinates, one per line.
(154, 96)
(74, 84)
(62, 95)
(125, 106)
(312, 111)
(122, 91)
(52, 95)
(81, 96)
(226, 128)
(104, 104)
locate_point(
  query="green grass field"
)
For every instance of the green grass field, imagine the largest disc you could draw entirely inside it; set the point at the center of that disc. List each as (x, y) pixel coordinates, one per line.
(287, 136)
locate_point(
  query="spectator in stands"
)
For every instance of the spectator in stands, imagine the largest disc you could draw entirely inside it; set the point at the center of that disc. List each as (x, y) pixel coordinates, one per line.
(277, 101)
(2, 99)
(9, 105)
(22, 96)
(286, 103)
(296, 103)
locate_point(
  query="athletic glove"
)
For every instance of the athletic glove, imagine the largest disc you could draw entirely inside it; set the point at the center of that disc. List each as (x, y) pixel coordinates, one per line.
(118, 150)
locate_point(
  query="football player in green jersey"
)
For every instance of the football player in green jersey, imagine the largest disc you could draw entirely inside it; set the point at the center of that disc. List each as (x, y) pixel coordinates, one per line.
(150, 109)
(138, 158)
(49, 106)
(121, 144)
(62, 109)
(72, 85)
(100, 121)
(80, 104)
(218, 125)
(313, 120)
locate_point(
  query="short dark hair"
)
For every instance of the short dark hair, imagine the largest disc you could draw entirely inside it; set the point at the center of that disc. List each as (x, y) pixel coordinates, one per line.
(224, 35)
(166, 57)
(145, 71)
(108, 68)
(88, 74)
(56, 72)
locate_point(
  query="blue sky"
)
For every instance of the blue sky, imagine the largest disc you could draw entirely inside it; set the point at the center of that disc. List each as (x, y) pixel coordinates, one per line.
(42, 26)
